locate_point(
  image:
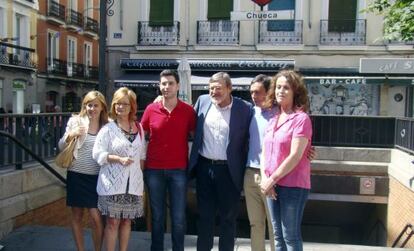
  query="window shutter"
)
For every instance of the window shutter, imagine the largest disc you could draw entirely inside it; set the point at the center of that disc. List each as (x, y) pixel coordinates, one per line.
(161, 13)
(342, 15)
(281, 25)
(219, 9)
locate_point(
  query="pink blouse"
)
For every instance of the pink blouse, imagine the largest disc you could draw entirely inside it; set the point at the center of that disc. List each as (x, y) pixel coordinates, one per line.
(277, 142)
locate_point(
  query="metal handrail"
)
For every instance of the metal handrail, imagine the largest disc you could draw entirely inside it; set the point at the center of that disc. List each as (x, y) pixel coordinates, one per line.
(35, 156)
(409, 235)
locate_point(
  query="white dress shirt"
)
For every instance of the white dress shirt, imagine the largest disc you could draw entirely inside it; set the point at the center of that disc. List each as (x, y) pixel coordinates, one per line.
(216, 132)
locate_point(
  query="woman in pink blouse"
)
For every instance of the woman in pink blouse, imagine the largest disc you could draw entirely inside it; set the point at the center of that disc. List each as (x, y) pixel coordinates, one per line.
(286, 166)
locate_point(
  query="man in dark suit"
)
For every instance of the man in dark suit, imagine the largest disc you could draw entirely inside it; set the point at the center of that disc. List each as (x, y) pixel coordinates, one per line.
(218, 160)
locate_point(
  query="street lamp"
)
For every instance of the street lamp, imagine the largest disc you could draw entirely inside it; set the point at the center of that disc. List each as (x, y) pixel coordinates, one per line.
(104, 10)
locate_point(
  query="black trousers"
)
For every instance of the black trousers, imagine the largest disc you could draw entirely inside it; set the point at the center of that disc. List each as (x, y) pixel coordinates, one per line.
(216, 192)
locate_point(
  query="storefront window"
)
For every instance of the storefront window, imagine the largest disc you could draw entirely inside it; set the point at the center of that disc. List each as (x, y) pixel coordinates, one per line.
(330, 97)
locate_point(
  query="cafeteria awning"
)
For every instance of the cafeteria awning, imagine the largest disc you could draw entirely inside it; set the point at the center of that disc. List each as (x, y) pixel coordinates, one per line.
(138, 79)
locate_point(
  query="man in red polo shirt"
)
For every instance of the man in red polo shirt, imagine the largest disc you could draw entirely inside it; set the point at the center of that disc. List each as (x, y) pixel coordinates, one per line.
(169, 123)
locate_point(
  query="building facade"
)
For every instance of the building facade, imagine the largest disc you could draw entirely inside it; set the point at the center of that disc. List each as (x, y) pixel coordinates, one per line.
(67, 39)
(325, 40)
(18, 58)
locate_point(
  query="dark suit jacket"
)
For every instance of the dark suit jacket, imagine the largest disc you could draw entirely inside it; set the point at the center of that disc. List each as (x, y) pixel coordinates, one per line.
(241, 113)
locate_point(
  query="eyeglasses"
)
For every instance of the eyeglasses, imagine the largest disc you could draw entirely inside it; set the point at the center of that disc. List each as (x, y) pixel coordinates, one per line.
(122, 104)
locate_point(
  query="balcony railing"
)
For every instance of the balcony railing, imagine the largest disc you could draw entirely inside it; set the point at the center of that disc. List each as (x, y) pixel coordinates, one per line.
(158, 35)
(91, 72)
(219, 32)
(56, 10)
(343, 32)
(74, 18)
(398, 42)
(41, 133)
(68, 69)
(15, 55)
(91, 25)
(281, 32)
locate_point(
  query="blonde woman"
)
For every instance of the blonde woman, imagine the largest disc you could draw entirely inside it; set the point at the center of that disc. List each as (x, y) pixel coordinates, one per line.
(120, 151)
(82, 176)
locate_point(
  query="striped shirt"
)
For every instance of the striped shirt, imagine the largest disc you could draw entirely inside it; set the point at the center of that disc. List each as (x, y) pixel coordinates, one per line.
(85, 163)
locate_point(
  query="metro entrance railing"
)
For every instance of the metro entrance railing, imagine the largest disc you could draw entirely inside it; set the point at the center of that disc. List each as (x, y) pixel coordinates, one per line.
(41, 133)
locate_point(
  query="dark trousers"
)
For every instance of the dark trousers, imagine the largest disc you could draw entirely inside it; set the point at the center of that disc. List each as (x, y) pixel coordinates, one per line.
(216, 192)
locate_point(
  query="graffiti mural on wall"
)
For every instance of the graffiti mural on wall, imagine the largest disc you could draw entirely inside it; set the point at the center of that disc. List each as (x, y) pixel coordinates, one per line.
(343, 97)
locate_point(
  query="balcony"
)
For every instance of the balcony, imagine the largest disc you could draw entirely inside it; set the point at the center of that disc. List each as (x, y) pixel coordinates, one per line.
(74, 20)
(158, 35)
(343, 32)
(55, 12)
(91, 72)
(281, 32)
(91, 26)
(73, 70)
(16, 56)
(219, 32)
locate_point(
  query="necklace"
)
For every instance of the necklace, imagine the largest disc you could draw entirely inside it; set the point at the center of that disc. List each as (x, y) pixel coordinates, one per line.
(128, 134)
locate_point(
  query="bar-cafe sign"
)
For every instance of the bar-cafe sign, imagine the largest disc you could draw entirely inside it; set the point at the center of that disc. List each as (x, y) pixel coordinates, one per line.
(336, 81)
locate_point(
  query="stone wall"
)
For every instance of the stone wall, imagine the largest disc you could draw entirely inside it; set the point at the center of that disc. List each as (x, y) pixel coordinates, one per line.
(31, 196)
(401, 196)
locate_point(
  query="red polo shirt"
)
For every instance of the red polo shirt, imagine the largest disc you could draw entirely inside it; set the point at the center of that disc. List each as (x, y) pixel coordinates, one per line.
(168, 142)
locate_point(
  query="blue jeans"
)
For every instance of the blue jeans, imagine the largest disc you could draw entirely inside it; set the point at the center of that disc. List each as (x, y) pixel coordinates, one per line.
(286, 213)
(158, 183)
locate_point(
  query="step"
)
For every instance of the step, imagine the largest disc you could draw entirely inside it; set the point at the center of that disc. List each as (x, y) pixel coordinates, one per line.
(42, 238)
(353, 154)
(344, 167)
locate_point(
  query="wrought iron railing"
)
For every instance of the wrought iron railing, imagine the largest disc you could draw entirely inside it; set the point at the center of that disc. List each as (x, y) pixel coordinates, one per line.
(91, 25)
(218, 32)
(353, 131)
(14, 55)
(41, 132)
(91, 72)
(56, 66)
(69, 69)
(74, 18)
(408, 230)
(343, 32)
(399, 42)
(56, 10)
(404, 134)
(158, 35)
(281, 32)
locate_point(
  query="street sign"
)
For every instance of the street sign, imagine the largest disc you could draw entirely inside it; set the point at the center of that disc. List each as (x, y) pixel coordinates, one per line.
(387, 65)
(262, 15)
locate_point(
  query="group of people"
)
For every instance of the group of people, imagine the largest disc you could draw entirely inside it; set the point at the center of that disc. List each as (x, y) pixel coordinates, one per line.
(261, 148)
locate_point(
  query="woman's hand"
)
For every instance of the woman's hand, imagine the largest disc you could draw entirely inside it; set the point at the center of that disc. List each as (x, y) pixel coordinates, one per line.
(78, 131)
(266, 185)
(125, 161)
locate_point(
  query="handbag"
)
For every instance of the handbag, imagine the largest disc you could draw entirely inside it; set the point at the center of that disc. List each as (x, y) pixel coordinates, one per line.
(65, 158)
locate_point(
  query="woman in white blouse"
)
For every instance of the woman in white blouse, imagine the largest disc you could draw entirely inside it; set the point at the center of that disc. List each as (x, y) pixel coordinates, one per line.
(120, 151)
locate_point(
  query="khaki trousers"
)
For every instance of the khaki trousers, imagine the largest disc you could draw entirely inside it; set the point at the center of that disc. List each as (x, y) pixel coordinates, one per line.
(257, 211)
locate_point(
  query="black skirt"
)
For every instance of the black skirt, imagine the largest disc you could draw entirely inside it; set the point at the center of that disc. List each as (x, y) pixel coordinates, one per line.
(81, 190)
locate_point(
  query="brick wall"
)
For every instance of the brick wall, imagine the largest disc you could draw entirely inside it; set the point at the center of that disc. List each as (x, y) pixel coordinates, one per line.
(52, 214)
(400, 211)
